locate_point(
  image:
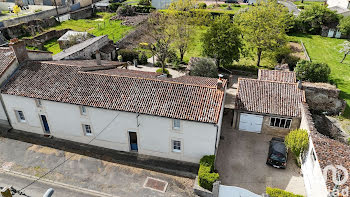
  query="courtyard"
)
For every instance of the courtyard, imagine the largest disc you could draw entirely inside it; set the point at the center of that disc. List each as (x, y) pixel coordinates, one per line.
(241, 162)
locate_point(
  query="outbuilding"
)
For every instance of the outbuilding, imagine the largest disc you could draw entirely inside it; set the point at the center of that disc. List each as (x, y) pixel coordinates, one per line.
(269, 104)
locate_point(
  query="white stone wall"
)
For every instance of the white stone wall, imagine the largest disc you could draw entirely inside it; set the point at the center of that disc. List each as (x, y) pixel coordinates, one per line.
(154, 133)
(315, 184)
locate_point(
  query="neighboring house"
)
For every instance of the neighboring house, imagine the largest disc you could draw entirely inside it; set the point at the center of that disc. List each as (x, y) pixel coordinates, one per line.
(269, 104)
(124, 110)
(322, 153)
(86, 50)
(71, 38)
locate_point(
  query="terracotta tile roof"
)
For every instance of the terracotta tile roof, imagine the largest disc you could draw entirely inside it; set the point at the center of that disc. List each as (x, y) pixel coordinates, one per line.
(84, 63)
(328, 151)
(205, 81)
(7, 56)
(70, 84)
(269, 97)
(129, 73)
(277, 75)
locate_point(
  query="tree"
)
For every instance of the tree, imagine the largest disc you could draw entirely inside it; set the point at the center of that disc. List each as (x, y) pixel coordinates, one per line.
(344, 25)
(222, 41)
(264, 27)
(313, 72)
(314, 17)
(297, 141)
(16, 9)
(204, 67)
(158, 29)
(345, 50)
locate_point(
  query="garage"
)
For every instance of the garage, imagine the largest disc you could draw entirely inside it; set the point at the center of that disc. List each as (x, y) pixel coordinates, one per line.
(250, 122)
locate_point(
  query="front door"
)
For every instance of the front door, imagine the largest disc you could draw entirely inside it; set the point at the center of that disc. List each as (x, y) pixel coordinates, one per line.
(45, 124)
(133, 141)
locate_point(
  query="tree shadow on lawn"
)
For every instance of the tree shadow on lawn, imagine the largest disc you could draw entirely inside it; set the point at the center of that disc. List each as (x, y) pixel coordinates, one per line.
(300, 35)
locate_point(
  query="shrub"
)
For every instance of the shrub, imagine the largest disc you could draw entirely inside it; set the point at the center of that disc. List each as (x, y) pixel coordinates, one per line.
(160, 70)
(126, 10)
(301, 7)
(144, 2)
(237, 5)
(114, 6)
(297, 141)
(275, 192)
(202, 5)
(204, 67)
(313, 72)
(206, 174)
(128, 55)
(143, 9)
(291, 61)
(223, 5)
(143, 58)
(344, 25)
(172, 57)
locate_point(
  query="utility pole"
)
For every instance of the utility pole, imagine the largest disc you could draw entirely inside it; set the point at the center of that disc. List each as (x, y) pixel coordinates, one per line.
(57, 11)
(6, 192)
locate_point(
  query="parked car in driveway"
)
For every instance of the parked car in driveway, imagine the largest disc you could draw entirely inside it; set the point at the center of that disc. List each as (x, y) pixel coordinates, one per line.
(277, 156)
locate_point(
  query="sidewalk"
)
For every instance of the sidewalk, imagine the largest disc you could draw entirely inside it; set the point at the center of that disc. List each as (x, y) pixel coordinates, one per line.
(86, 172)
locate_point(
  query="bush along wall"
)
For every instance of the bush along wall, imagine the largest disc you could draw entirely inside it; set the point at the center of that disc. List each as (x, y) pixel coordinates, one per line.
(275, 192)
(128, 55)
(206, 174)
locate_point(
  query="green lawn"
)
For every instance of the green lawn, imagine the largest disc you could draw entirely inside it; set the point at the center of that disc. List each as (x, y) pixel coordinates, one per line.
(52, 46)
(97, 26)
(323, 49)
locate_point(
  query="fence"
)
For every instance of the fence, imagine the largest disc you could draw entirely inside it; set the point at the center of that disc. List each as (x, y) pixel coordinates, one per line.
(305, 51)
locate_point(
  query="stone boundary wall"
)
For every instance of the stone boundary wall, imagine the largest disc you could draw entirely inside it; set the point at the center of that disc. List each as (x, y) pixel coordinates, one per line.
(40, 15)
(200, 191)
(39, 40)
(322, 97)
(305, 51)
(82, 13)
(28, 28)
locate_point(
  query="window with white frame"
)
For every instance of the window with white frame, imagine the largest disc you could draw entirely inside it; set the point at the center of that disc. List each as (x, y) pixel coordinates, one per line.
(176, 146)
(38, 102)
(87, 129)
(280, 122)
(20, 116)
(176, 124)
(82, 110)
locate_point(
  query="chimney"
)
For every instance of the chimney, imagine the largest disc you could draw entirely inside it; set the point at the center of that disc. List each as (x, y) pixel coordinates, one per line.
(19, 48)
(219, 84)
(300, 85)
(98, 57)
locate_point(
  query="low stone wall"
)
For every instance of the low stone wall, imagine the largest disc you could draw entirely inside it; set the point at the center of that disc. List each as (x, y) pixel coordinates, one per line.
(330, 127)
(82, 13)
(200, 191)
(29, 28)
(322, 97)
(40, 15)
(39, 40)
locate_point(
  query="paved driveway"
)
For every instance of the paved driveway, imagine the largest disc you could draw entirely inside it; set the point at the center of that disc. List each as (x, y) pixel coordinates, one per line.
(241, 162)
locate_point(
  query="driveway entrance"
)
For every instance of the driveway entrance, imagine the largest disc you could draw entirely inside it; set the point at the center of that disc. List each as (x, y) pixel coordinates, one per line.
(241, 162)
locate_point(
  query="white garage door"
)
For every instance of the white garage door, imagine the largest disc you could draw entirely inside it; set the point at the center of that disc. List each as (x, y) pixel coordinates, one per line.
(250, 122)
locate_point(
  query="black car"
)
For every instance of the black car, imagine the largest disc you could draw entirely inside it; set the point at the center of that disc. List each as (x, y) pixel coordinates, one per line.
(277, 156)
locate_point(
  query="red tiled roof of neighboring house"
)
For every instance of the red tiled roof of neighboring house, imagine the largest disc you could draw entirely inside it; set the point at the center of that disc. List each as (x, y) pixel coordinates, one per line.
(329, 152)
(7, 57)
(195, 80)
(269, 97)
(277, 75)
(71, 84)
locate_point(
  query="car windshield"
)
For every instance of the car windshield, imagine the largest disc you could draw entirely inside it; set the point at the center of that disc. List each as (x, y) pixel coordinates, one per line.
(278, 157)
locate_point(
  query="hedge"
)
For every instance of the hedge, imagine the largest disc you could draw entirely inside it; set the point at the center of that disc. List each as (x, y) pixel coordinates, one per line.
(143, 9)
(128, 55)
(206, 174)
(275, 192)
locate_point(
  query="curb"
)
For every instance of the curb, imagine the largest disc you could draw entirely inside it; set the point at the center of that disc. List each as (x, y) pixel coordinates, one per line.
(59, 184)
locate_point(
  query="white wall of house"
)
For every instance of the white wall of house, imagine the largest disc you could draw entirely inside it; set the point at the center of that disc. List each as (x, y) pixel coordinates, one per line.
(315, 184)
(155, 134)
(341, 3)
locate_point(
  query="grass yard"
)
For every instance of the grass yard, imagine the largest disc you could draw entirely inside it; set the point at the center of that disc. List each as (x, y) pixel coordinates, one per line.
(323, 49)
(97, 26)
(52, 46)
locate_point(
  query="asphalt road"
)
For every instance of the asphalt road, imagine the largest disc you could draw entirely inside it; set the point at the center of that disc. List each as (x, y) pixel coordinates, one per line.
(37, 189)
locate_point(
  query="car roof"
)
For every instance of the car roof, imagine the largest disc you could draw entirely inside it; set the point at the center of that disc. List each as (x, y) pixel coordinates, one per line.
(278, 146)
